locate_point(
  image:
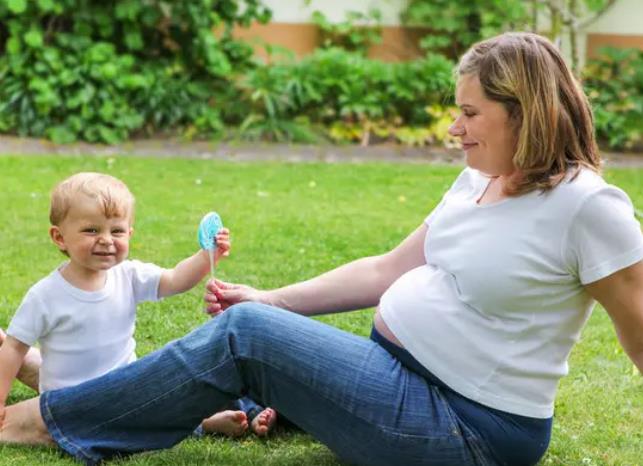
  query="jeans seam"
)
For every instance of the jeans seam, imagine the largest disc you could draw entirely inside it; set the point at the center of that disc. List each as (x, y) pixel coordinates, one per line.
(454, 427)
(480, 451)
(138, 408)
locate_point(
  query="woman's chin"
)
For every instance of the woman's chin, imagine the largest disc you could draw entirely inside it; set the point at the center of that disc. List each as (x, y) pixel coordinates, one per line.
(472, 161)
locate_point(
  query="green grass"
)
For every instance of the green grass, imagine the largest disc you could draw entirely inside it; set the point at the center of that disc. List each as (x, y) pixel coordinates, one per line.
(290, 222)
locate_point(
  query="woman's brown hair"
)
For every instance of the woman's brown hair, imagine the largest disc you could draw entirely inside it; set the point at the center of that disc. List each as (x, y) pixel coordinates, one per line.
(527, 74)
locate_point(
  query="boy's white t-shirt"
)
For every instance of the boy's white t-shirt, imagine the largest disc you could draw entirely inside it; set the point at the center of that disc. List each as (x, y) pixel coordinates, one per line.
(500, 302)
(84, 334)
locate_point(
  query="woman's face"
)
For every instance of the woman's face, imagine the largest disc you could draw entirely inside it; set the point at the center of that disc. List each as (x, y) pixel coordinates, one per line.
(484, 128)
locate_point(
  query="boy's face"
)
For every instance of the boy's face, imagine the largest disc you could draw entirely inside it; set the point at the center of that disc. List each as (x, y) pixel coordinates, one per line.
(92, 241)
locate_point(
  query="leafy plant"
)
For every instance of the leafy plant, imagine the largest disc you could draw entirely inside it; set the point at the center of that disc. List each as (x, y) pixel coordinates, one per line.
(453, 26)
(614, 84)
(100, 71)
(356, 33)
(275, 94)
(353, 97)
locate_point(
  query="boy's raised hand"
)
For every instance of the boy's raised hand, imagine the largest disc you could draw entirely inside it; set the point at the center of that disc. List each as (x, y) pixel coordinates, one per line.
(223, 244)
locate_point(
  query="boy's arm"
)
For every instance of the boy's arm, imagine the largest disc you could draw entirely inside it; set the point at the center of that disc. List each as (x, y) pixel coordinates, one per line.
(12, 353)
(187, 273)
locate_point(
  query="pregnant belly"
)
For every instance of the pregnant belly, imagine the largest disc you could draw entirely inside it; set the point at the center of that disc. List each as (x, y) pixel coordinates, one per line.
(383, 329)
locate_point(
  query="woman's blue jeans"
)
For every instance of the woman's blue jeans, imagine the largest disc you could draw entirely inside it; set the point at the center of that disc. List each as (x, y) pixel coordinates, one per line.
(346, 391)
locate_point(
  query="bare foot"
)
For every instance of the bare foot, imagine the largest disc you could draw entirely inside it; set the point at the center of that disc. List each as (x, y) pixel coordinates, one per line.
(230, 423)
(263, 422)
(23, 424)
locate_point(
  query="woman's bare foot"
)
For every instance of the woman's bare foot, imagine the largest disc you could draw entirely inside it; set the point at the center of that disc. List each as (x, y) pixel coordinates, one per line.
(29, 371)
(230, 423)
(23, 424)
(263, 422)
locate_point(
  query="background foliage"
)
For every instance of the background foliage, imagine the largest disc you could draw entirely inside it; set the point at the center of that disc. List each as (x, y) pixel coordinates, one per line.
(614, 83)
(107, 71)
(101, 71)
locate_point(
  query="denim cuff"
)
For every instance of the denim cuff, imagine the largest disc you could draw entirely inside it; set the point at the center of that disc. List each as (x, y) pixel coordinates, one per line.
(62, 441)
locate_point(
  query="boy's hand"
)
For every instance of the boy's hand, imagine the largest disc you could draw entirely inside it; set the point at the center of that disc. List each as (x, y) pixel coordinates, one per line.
(223, 244)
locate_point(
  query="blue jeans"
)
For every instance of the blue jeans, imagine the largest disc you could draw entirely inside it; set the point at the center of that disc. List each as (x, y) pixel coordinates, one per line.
(347, 391)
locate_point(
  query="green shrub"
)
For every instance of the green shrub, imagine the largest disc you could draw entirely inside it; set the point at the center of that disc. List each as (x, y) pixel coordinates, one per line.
(356, 33)
(347, 86)
(99, 71)
(342, 91)
(614, 84)
(454, 25)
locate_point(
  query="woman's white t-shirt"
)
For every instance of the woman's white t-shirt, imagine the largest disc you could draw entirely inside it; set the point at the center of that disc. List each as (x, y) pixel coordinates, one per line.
(499, 304)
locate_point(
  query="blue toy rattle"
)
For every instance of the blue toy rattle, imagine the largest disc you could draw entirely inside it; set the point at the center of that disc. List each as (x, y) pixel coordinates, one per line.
(208, 228)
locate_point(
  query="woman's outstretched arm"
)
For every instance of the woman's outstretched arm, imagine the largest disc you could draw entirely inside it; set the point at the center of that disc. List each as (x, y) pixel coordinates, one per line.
(356, 285)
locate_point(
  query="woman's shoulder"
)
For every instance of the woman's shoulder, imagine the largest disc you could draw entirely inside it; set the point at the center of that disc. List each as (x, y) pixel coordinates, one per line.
(589, 191)
(580, 183)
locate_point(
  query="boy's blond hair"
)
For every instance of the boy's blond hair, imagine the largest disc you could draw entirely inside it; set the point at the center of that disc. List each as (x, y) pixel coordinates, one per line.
(111, 193)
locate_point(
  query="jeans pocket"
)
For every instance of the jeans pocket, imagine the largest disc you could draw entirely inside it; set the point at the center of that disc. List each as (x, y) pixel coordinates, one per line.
(431, 450)
(438, 440)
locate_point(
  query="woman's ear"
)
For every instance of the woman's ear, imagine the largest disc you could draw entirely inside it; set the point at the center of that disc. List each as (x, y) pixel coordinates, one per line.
(57, 237)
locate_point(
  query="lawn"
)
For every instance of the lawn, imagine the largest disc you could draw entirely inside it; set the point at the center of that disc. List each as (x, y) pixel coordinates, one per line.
(290, 222)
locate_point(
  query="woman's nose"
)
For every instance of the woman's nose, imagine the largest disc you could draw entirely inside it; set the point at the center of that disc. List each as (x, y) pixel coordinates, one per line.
(456, 129)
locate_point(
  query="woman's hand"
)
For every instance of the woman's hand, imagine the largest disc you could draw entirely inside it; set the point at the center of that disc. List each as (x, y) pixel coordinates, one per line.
(221, 295)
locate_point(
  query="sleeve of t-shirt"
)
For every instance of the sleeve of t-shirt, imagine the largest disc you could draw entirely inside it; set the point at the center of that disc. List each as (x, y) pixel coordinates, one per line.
(29, 323)
(145, 278)
(604, 236)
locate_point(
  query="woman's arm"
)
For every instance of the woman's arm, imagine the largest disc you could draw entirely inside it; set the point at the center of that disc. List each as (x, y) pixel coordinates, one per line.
(621, 294)
(356, 285)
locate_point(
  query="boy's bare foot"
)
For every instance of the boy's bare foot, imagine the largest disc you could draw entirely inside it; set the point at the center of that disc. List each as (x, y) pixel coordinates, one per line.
(263, 422)
(230, 423)
(23, 424)
(29, 371)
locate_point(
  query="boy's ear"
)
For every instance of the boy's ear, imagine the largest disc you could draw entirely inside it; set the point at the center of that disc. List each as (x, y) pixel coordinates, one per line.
(57, 237)
(131, 231)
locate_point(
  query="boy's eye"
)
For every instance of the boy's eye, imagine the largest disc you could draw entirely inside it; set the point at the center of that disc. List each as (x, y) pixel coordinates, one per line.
(90, 230)
(118, 231)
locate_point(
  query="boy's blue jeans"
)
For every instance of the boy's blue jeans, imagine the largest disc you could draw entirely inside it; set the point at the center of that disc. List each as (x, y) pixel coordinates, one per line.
(345, 390)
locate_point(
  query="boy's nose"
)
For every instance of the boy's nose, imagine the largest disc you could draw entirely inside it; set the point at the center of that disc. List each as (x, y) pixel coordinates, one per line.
(105, 239)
